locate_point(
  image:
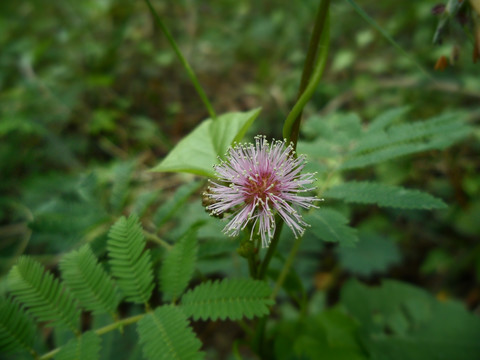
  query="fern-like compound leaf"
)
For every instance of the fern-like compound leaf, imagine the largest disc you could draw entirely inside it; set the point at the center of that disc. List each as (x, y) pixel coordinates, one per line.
(165, 334)
(89, 282)
(384, 195)
(17, 329)
(386, 118)
(227, 299)
(172, 205)
(47, 298)
(178, 266)
(378, 144)
(122, 173)
(130, 264)
(330, 225)
(85, 347)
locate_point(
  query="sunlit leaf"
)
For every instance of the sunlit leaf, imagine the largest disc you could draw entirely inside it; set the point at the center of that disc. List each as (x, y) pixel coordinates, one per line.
(197, 152)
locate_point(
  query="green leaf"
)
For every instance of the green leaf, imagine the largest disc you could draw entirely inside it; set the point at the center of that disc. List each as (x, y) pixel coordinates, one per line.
(399, 321)
(377, 144)
(85, 347)
(17, 329)
(165, 334)
(172, 205)
(330, 225)
(122, 173)
(384, 195)
(384, 154)
(231, 127)
(329, 335)
(130, 264)
(386, 118)
(45, 296)
(177, 268)
(88, 281)
(227, 299)
(372, 255)
(199, 151)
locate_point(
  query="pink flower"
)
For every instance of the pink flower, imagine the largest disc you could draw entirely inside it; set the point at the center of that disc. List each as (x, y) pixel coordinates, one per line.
(257, 181)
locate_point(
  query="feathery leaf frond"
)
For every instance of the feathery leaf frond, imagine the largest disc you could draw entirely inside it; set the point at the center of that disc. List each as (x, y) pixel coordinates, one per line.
(172, 205)
(44, 295)
(85, 347)
(88, 281)
(330, 225)
(130, 265)
(17, 329)
(386, 118)
(378, 144)
(384, 195)
(178, 266)
(229, 298)
(165, 334)
(122, 173)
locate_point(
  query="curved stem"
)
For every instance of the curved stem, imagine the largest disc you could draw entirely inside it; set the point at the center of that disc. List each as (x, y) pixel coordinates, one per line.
(186, 65)
(101, 331)
(154, 238)
(271, 249)
(286, 267)
(321, 40)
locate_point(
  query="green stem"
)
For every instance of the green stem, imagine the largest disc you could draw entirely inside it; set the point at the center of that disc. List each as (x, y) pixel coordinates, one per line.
(322, 27)
(101, 331)
(186, 65)
(286, 267)
(251, 265)
(309, 65)
(271, 249)
(154, 238)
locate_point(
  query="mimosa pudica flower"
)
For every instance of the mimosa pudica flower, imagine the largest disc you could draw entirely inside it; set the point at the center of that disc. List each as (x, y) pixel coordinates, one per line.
(255, 182)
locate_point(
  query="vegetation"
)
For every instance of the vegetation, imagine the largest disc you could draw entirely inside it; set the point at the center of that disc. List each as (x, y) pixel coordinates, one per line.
(113, 115)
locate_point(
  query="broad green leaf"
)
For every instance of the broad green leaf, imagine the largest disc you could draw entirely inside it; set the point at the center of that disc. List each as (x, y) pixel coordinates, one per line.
(227, 299)
(165, 334)
(199, 151)
(231, 127)
(399, 321)
(330, 225)
(372, 254)
(177, 268)
(384, 195)
(85, 347)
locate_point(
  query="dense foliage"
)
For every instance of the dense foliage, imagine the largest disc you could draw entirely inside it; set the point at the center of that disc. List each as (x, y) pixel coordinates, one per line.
(106, 149)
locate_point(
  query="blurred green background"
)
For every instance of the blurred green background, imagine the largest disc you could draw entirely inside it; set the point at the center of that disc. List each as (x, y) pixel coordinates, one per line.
(91, 96)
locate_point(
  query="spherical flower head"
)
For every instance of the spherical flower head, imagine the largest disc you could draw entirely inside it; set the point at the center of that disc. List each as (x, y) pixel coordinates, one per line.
(255, 182)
